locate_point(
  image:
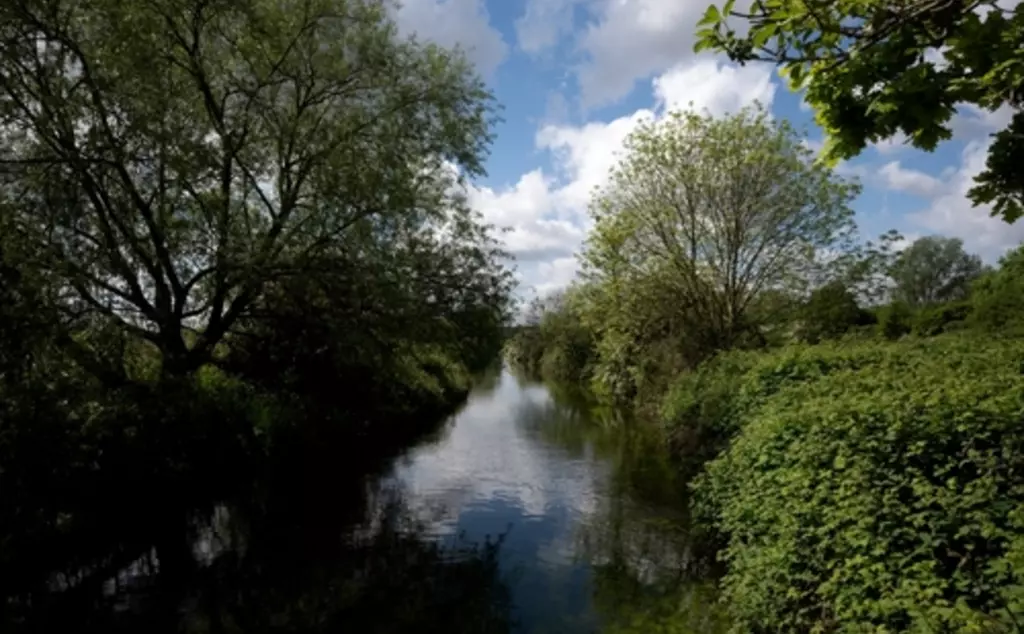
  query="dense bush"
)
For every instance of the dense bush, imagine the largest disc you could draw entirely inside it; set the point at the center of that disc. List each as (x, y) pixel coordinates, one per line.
(556, 346)
(935, 320)
(829, 313)
(894, 474)
(895, 320)
(703, 408)
(998, 296)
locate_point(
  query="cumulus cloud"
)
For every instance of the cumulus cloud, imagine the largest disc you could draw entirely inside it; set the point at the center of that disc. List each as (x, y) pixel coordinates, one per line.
(910, 181)
(629, 41)
(527, 216)
(715, 86)
(463, 23)
(951, 213)
(892, 145)
(619, 42)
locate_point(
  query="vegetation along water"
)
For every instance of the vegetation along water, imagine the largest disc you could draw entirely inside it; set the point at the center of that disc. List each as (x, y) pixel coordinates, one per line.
(263, 366)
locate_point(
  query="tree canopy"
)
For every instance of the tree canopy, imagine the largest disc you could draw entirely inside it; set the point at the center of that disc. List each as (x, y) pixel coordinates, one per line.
(876, 68)
(932, 270)
(701, 217)
(165, 162)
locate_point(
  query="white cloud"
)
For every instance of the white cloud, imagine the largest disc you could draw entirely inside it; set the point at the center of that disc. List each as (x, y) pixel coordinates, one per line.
(717, 87)
(971, 122)
(526, 212)
(951, 213)
(543, 23)
(892, 145)
(619, 43)
(910, 180)
(631, 40)
(554, 275)
(450, 23)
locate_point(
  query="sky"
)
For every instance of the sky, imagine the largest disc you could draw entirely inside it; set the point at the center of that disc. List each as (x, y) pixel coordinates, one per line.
(574, 77)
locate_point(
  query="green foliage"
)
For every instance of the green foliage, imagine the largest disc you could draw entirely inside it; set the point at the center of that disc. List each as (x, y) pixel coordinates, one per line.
(702, 409)
(676, 270)
(871, 71)
(231, 233)
(893, 473)
(691, 610)
(829, 313)
(895, 320)
(253, 140)
(934, 320)
(998, 296)
(933, 270)
(556, 345)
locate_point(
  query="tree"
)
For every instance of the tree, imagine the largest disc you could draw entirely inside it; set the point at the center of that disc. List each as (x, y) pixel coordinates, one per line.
(704, 215)
(873, 69)
(829, 312)
(166, 161)
(933, 270)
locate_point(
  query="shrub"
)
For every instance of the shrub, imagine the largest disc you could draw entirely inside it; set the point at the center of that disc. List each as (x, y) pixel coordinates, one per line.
(704, 408)
(935, 320)
(829, 313)
(701, 409)
(876, 491)
(998, 296)
(895, 320)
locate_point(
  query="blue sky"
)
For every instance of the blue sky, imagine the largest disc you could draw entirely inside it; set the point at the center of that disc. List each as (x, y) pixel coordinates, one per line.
(575, 76)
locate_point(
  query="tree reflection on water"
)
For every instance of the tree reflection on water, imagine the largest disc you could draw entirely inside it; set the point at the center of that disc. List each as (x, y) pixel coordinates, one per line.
(653, 569)
(257, 569)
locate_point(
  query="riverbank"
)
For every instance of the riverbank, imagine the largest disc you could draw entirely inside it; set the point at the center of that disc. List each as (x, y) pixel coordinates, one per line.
(860, 483)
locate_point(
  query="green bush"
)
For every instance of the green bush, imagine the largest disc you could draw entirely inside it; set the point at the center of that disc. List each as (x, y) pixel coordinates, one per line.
(998, 296)
(704, 408)
(701, 409)
(875, 488)
(829, 313)
(935, 320)
(895, 320)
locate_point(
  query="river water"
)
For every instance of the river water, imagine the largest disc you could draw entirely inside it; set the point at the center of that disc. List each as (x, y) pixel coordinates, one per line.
(524, 512)
(592, 516)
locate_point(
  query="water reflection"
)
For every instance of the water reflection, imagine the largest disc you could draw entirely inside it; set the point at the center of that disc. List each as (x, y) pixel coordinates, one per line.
(524, 512)
(598, 533)
(253, 571)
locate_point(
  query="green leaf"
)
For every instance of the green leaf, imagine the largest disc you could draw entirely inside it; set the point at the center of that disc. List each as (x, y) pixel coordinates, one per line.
(711, 16)
(762, 34)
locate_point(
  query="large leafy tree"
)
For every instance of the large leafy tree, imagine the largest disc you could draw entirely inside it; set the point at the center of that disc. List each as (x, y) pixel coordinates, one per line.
(720, 210)
(875, 68)
(166, 161)
(932, 270)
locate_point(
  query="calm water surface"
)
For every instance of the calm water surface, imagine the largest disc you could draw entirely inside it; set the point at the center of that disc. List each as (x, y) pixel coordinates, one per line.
(588, 522)
(590, 517)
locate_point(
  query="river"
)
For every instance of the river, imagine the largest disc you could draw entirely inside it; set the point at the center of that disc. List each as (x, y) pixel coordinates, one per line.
(523, 512)
(592, 516)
